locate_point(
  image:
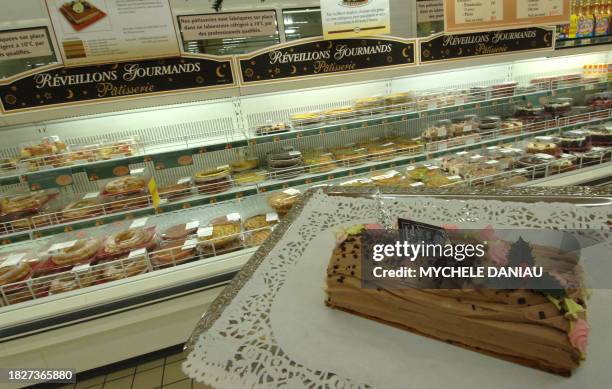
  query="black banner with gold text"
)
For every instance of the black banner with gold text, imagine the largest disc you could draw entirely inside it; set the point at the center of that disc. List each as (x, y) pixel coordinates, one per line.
(461, 46)
(316, 58)
(113, 81)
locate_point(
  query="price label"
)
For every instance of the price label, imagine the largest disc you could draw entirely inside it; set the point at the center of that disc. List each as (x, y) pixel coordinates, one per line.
(192, 224)
(467, 128)
(137, 253)
(454, 178)
(139, 222)
(433, 167)
(205, 232)
(506, 151)
(475, 157)
(459, 100)
(461, 153)
(544, 138)
(544, 156)
(291, 192)
(294, 153)
(233, 217)
(184, 180)
(492, 147)
(189, 244)
(61, 246)
(223, 167)
(492, 162)
(12, 260)
(136, 172)
(271, 217)
(81, 268)
(417, 184)
(442, 132)
(521, 171)
(92, 195)
(567, 155)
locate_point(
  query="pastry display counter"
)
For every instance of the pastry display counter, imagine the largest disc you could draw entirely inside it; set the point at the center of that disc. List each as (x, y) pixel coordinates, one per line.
(84, 238)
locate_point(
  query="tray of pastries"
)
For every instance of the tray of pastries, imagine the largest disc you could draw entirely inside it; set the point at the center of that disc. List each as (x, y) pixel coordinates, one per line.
(213, 181)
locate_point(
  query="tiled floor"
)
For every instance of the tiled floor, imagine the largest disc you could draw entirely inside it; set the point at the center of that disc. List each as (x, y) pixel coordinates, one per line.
(161, 369)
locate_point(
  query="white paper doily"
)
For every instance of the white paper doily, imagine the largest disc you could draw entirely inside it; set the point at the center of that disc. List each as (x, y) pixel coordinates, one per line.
(277, 332)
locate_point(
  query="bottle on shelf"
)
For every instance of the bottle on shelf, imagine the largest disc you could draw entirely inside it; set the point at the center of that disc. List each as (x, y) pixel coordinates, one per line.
(573, 25)
(602, 19)
(586, 21)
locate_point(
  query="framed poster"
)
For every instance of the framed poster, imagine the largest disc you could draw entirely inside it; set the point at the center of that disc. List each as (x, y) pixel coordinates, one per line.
(354, 18)
(103, 31)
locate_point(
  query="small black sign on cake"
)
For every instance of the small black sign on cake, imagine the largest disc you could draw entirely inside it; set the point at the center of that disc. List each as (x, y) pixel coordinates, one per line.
(115, 81)
(445, 47)
(316, 58)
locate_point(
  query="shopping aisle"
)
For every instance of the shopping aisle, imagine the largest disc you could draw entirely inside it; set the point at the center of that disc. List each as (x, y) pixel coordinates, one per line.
(161, 369)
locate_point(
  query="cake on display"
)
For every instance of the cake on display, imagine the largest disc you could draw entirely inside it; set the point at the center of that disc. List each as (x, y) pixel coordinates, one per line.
(544, 328)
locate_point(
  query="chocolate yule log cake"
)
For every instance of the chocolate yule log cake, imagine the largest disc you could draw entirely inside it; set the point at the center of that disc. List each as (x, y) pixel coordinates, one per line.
(545, 329)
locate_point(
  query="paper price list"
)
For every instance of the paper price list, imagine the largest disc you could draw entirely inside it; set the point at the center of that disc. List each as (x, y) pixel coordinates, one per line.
(538, 8)
(470, 11)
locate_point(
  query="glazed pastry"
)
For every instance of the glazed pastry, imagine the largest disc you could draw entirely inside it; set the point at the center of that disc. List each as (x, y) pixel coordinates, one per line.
(219, 234)
(81, 251)
(128, 240)
(63, 284)
(123, 185)
(180, 231)
(213, 181)
(320, 161)
(370, 104)
(245, 164)
(575, 141)
(17, 270)
(173, 252)
(335, 114)
(250, 177)
(177, 191)
(256, 238)
(283, 201)
(125, 268)
(286, 164)
(260, 221)
(306, 119)
(542, 147)
(82, 209)
(600, 135)
(29, 203)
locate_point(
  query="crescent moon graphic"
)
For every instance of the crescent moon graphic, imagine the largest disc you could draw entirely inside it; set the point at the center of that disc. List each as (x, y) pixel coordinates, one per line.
(460, 51)
(546, 38)
(115, 66)
(293, 69)
(331, 44)
(70, 94)
(218, 72)
(404, 54)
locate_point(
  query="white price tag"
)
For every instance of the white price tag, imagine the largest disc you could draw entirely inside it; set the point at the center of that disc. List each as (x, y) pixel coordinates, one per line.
(506, 151)
(442, 132)
(138, 171)
(291, 192)
(409, 168)
(388, 144)
(80, 268)
(567, 155)
(184, 180)
(469, 141)
(544, 138)
(431, 104)
(192, 224)
(492, 162)
(139, 222)
(189, 244)
(12, 260)
(521, 171)
(61, 246)
(294, 153)
(544, 156)
(416, 184)
(492, 147)
(92, 195)
(467, 128)
(205, 232)
(271, 217)
(223, 167)
(475, 157)
(433, 167)
(461, 153)
(137, 253)
(459, 100)
(454, 177)
(233, 217)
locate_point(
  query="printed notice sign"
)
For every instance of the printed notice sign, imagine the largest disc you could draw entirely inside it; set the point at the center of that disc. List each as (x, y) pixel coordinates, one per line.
(21, 44)
(354, 18)
(481, 15)
(227, 25)
(99, 31)
(538, 8)
(430, 10)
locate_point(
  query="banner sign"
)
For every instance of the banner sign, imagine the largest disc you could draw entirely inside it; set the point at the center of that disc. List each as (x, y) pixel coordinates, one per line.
(101, 31)
(114, 81)
(446, 47)
(355, 18)
(316, 58)
(470, 16)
